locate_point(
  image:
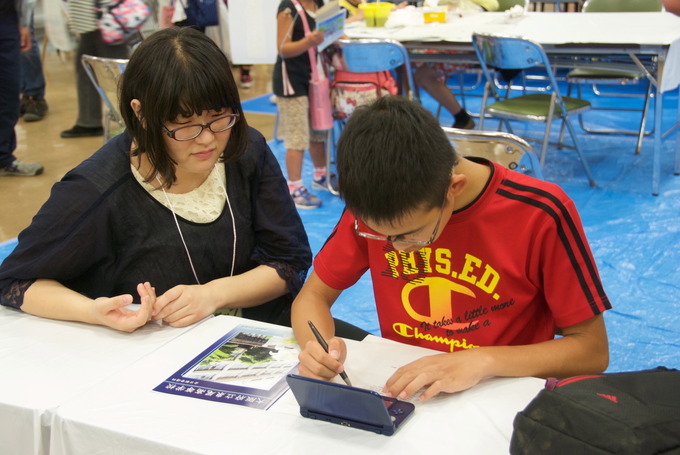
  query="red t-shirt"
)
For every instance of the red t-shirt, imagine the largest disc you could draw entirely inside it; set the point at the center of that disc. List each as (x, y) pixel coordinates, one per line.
(506, 270)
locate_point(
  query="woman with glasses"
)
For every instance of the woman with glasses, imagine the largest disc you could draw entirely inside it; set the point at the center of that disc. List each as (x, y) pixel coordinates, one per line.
(186, 212)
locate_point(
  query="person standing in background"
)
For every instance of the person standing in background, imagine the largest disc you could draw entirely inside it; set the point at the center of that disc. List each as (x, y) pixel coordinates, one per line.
(291, 84)
(14, 38)
(83, 22)
(33, 104)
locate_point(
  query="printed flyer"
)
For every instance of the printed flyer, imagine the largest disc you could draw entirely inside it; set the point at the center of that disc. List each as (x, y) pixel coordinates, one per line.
(247, 366)
(330, 19)
(332, 27)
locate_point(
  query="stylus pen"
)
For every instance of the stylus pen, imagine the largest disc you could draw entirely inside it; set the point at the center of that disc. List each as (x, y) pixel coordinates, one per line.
(324, 345)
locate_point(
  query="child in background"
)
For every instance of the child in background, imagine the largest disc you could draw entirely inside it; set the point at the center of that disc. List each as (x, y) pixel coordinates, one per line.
(291, 84)
(432, 76)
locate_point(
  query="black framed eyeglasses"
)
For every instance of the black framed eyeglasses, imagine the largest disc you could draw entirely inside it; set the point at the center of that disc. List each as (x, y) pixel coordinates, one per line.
(399, 238)
(189, 132)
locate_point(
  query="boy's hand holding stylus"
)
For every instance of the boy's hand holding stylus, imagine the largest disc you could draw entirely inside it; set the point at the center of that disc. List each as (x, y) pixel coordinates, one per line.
(315, 362)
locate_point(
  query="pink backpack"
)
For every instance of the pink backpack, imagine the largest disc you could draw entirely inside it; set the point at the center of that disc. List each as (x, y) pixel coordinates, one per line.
(120, 20)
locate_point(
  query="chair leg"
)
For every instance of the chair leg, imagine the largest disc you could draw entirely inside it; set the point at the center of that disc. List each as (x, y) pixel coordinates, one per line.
(560, 139)
(482, 111)
(580, 116)
(643, 120)
(544, 145)
(276, 127)
(548, 125)
(572, 132)
(331, 141)
(508, 126)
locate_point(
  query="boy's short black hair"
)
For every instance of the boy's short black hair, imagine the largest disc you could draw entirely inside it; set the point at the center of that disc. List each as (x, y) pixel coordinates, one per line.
(393, 158)
(177, 71)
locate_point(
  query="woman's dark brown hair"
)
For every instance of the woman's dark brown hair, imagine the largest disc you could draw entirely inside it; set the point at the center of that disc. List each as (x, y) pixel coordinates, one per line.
(177, 72)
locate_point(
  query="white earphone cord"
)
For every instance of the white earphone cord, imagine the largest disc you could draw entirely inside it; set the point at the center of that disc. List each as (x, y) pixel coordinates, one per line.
(233, 227)
(181, 236)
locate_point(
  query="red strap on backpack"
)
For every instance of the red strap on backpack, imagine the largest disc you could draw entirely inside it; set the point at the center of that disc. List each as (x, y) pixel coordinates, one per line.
(382, 80)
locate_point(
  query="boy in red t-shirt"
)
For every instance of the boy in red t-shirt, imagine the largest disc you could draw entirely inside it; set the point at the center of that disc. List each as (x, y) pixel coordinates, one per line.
(466, 257)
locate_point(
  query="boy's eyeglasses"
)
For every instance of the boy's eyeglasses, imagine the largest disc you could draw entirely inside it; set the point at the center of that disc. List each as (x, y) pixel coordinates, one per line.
(398, 238)
(189, 132)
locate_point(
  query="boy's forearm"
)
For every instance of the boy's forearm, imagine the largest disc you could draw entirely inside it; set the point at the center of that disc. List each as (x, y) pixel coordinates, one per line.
(313, 303)
(578, 352)
(321, 318)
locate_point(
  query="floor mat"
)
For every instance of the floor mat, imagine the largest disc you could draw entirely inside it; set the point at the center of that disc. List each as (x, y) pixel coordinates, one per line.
(259, 105)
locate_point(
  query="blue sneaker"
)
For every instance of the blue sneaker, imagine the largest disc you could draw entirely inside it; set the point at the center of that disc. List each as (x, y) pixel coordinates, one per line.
(322, 183)
(304, 200)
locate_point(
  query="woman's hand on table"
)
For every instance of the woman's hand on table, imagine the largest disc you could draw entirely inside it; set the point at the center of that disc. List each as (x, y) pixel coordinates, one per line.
(112, 311)
(316, 363)
(183, 305)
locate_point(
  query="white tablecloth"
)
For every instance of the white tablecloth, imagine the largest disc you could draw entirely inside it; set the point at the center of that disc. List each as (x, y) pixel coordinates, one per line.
(124, 414)
(46, 363)
(617, 29)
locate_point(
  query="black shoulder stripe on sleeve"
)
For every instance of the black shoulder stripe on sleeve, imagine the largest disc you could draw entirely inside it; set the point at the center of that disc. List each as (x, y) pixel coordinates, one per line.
(547, 202)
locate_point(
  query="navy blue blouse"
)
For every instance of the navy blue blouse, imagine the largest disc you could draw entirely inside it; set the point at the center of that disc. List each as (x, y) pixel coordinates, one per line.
(100, 233)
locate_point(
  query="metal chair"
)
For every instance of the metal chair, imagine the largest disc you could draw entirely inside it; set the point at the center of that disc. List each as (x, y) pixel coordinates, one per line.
(365, 55)
(506, 149)
(459, 88)
(516, 53)
(616, 71)
(105, 74)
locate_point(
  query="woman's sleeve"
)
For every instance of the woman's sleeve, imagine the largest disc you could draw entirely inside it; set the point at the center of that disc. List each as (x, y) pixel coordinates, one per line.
(280, 238)
(66, 237)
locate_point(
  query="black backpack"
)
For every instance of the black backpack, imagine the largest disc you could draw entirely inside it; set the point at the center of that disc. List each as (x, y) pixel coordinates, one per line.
(615, 413)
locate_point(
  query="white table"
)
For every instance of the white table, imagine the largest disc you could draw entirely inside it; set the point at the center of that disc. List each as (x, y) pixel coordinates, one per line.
(46, 363)
(633, 34)
(124, 415)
